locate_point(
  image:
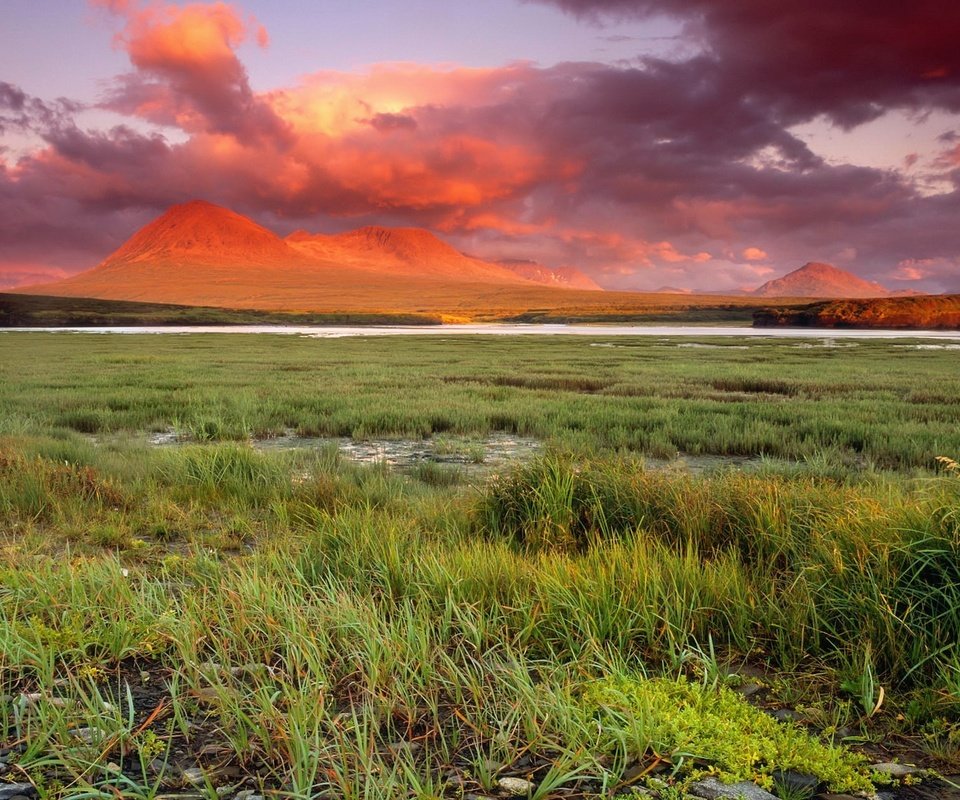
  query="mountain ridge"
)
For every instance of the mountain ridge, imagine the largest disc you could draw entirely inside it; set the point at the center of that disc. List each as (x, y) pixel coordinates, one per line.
(562, 277)
(819, 279)
(199, 253)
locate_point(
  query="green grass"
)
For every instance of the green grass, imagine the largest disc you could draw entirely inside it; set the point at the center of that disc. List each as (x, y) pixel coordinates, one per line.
(876, 405)
(578, 621)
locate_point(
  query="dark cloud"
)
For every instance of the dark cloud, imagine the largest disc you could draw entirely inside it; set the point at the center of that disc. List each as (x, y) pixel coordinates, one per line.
(386, 122)
(842, 58)
(22, 113)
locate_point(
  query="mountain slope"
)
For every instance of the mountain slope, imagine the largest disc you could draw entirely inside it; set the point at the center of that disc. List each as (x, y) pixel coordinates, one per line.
(200, 232)
(816, 279)
(561, 277)
(398, 251)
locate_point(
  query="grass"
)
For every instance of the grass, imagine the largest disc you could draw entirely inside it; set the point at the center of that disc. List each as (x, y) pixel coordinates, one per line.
(301, 626)
(26, 311)
(880, 405)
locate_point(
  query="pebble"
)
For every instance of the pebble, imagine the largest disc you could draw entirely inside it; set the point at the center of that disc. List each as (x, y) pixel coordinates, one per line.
(516, 786)
(404, 747)
(180, 796)
(712, 789)
(194, 776)
(838, 797)
(10, 790)
(88, 735)
(895, 770)
(786, 715)
(32, 698)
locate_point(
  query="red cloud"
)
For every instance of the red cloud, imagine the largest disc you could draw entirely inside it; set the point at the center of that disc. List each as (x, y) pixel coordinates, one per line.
(187, 71)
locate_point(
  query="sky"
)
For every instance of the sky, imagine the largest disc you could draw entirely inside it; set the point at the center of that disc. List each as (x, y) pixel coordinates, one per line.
(651, 143)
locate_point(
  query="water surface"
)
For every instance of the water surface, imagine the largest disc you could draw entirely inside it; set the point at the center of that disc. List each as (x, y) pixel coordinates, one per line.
(509, 329)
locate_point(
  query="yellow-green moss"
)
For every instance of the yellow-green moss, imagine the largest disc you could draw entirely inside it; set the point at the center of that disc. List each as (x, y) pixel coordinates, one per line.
(717, 726)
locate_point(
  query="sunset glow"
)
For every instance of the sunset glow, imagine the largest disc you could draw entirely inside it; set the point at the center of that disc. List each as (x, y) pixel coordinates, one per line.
(725, 155)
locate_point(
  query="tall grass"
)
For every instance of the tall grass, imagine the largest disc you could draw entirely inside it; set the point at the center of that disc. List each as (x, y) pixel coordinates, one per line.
(328, 628)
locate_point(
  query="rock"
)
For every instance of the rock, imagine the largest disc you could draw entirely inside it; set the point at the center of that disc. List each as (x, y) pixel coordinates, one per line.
(206, 695)
(33, 698)
(516, 786)
(894, 770)
(158, 767)
(797, 783)
(404, 747)
(749, 689)
(247, 794)
(712, 789)
(786, 715)
(194, 776)
(838, 797)
(10, 790)
(88, 735)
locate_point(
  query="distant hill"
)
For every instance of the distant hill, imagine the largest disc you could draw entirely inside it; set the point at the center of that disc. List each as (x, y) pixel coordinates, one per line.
(922, 312)
(816, 279)
(562, 277)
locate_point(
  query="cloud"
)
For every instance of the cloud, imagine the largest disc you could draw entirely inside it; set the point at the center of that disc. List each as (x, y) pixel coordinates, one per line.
(187, 72)
(839, 59)
(941, 274)
(657, 172)
(20, 113)
(755, 254)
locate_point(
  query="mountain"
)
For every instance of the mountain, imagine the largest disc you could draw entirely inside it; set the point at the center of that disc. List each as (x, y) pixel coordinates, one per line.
(398, 251)
(562, 277)
(200, 232)
(201, 254)
(816, 279)
(196, 253)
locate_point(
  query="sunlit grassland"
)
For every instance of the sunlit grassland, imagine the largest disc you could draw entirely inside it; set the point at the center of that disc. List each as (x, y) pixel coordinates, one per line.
(357, 631)
(880, 404)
